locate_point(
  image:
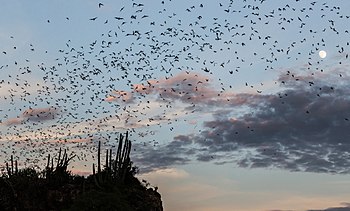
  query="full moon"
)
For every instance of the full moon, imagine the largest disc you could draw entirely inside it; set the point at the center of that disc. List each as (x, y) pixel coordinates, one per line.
(322, 54)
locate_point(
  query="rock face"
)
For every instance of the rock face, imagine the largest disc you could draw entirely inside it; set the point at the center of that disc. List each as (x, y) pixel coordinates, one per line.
(155, 201)
(148, 199)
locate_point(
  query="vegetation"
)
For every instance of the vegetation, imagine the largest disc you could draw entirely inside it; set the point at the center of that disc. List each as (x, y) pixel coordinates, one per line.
(112, 187)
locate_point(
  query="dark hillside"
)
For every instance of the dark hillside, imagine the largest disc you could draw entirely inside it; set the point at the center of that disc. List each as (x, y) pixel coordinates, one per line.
(113, 187)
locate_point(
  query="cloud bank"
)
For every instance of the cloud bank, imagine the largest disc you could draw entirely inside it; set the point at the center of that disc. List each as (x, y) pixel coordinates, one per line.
(302, 128)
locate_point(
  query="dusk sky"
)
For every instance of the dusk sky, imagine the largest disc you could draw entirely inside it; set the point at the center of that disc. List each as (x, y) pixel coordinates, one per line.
(230, 105)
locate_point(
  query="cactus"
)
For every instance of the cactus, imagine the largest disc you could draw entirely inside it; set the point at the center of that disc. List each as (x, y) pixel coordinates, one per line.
(101, 178)
(13, 170)
(97, 180)
(114, 170)
(99, 158)
(8, 170)
(124, 162)
(62, 164)
(57, 175)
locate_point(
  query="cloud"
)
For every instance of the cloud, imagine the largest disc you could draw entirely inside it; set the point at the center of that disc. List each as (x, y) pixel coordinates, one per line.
(13, 121)
(163, 101)
(152, 159)
(34, 115)
(168, 173)
(40, 114)
(301, 128)
(187, 87)
(298, 130)
(345, 207)
(118, 95)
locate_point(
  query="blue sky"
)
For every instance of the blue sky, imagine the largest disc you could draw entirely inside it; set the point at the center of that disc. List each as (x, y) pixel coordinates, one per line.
(229, 105)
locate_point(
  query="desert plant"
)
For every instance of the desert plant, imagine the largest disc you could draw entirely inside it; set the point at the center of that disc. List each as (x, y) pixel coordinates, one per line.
(58, 175)
(13, 169)
(115, 171)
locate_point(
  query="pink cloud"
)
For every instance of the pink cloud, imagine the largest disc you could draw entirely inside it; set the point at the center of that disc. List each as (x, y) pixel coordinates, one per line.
(38, 114)
(13, 121)
(185, 87)
(118, 95)
(33, 114)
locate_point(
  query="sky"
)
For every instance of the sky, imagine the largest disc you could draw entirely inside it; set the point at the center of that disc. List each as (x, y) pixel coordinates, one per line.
(229, 104)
